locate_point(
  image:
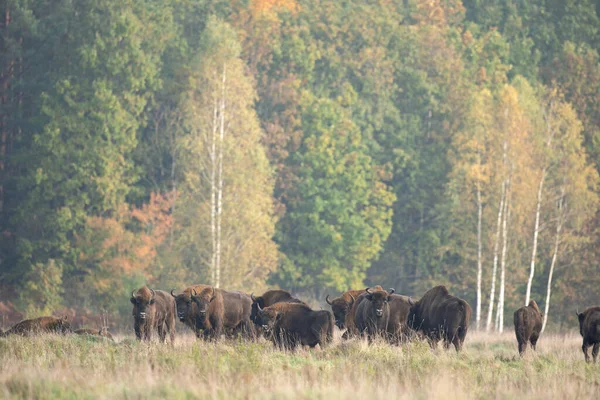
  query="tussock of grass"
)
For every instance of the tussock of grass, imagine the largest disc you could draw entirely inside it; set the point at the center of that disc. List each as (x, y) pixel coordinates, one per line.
(80, 367)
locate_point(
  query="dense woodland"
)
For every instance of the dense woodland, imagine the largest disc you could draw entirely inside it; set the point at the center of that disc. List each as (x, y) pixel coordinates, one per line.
(312, 145)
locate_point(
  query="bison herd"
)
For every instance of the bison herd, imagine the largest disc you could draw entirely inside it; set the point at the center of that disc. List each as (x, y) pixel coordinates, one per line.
(289, 322)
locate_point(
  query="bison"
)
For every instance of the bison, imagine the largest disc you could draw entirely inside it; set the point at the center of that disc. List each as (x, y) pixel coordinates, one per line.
(187, 311)
(103, 332)
(220, 309)
(288, 325)
(39, 325)
(269, 298)
(373, 313)
(397, 327)
(340, 306)
(349, 318)
(589, 327)
(440, 315)
(528, 325)
(153, 309)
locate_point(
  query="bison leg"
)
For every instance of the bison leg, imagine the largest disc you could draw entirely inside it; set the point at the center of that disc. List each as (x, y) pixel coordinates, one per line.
(138, 332)
(457, 342)
(522, 348)
(595, 351)
(162, 334)
(585, 347)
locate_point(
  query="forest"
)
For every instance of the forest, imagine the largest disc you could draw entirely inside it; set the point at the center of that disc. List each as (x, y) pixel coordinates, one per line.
(315, 146)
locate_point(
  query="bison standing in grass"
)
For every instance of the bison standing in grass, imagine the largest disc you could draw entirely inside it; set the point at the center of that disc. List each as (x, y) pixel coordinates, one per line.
(220, 309)
(341, 306)
(528, 325)
(440, 315)
(187, 311)
(373, 313)
(589, 327)
(397, 328)
(288, 325)
(269, 298)
(40, 325)
(153, 309)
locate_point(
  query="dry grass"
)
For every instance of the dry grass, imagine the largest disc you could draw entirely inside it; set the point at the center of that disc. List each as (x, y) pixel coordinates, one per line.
(79, 367)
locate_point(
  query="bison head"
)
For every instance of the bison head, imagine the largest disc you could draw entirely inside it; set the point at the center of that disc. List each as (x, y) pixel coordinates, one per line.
(183, 304)
(143, 303)
(340, 307)
(202, 301)
(63, 325)
(257, 304)
(267, 318)
(379, 301)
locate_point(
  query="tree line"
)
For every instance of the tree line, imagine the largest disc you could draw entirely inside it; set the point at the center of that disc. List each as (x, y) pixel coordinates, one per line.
(314, 145)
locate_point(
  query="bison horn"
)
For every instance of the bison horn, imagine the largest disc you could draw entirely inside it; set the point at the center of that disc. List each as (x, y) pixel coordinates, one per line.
(252, 297)
(367, 290)
(194, 292)
(172, 290)
(258, 306)
(392, 290)
(132, 294)
(327, 300)
(353, 299)
(153, 293)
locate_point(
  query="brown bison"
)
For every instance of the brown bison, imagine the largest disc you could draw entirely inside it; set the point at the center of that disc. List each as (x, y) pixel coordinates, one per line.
(269, 298)
(349, 321)
(220, 310)
(528, 325)
(589, 327)
(288, 325)
(153, 309)
(373, 313)
(397, 328)
(340, 306)
(187, 311)
(440, 315)
(40, 325)
(103, 332)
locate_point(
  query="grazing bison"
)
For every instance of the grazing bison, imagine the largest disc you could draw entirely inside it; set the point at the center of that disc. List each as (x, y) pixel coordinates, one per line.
(528, 325)
(153, 309)
(269, 298)
(440, 315)
(103, 332)
(220, 309)
(187, 311)
(288, 325)
(589, 327)
(39, 325)
(397, 328)
(373, 313)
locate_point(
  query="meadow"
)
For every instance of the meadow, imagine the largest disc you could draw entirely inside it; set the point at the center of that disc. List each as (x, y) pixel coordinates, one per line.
(86, 367)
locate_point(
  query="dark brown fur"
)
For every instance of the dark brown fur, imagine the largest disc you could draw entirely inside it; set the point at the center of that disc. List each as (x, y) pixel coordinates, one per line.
(40, 325)
(288, 325)
(153, 309)
(441, 316)
(589, 327)
(397, 328)
(269, 298)
(340, 306)
(220, 310)
(187, 310)
(103, 332)
(350, 321)
(528, 325)
(373, 314)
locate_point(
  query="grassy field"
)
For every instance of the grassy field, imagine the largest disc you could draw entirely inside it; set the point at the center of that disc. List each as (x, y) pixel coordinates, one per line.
(78, 367)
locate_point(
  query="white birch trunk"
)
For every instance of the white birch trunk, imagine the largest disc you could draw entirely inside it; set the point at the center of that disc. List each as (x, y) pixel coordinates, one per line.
(495, 264)
(479, 262)
(220, 184)
(559, 224)
(505, 221)
(536, 230)
(213, 190)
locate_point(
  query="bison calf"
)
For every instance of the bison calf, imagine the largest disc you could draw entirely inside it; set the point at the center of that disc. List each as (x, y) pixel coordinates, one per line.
(589, 327)
(440, 315)
(153, 309)
(528, 325)
(40, 325)
(288, 325)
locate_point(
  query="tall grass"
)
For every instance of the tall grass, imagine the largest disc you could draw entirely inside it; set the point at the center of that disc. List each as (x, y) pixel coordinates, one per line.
(79, 367)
